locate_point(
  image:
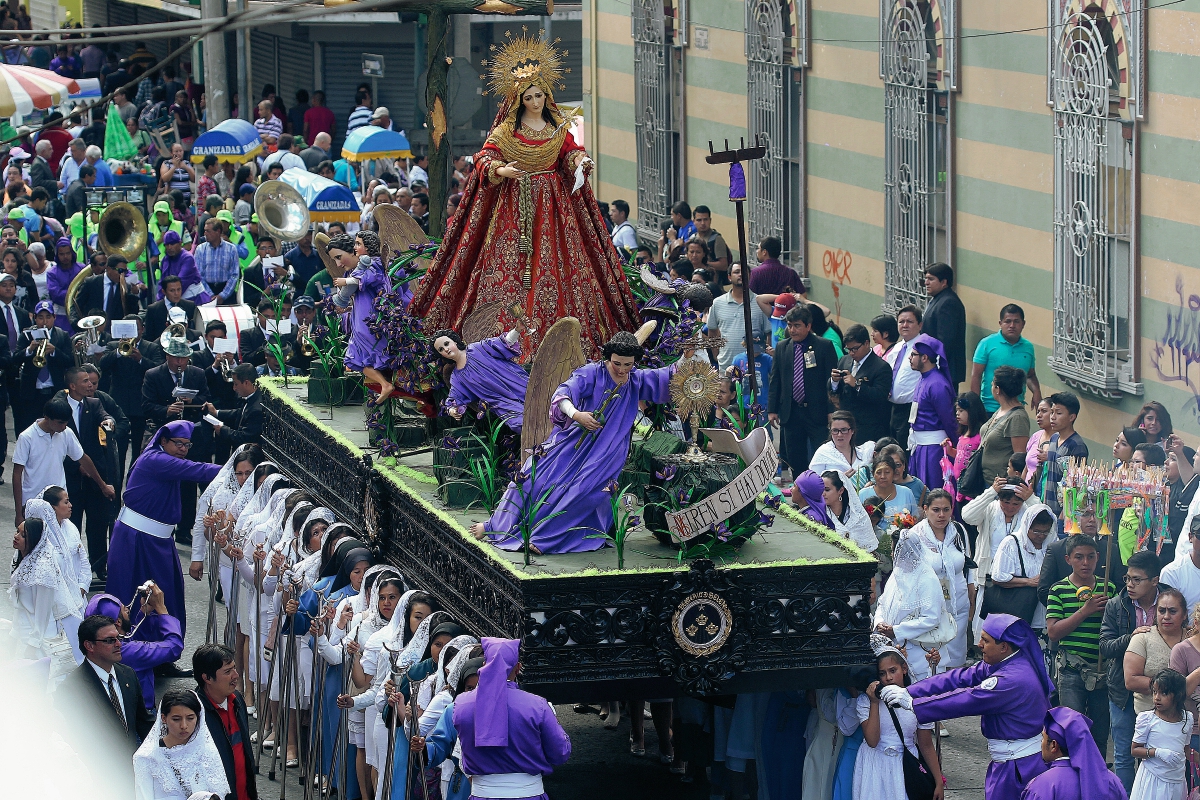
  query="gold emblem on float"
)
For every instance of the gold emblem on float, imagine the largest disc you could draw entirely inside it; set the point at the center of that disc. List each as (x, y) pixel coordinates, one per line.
(702, 623)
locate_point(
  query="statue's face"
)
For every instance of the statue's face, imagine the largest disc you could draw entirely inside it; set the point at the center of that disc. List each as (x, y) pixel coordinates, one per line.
(446, 348)
(534, 99)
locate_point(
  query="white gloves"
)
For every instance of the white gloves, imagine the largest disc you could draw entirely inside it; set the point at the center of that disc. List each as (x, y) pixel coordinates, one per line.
(1171, 758)
(896, 697)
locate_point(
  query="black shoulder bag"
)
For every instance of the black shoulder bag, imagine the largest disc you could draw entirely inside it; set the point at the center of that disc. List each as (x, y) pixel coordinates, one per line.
(1020, 601)
(918, 778)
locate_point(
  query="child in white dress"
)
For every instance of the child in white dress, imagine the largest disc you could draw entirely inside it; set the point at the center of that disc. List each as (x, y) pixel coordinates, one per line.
(1159, 737)
(879, 768)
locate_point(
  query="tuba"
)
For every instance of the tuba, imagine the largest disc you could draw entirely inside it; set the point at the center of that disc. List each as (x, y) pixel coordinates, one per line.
(121, 231)
(89, 335)
(281, 210)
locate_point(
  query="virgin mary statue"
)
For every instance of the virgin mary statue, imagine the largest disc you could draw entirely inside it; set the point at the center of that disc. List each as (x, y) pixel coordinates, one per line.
(523, 234)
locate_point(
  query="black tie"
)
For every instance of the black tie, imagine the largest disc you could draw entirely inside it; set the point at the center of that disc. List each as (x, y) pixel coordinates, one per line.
(116, 703)
(111, 305)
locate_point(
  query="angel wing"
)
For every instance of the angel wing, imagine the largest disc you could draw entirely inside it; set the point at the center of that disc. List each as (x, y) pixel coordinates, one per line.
(483, 322)
(321, 245)
(397, 230)
(559, 355)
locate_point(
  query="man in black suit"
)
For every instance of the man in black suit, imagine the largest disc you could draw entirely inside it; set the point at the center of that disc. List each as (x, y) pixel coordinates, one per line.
(13, 320)
(96, 430)
(861, 383)
(156, 313)
(801, 408)
(241, 425)
(39, 384)
(104, 697)
(226, 717)
(254, 341)
(122, 377)
(107, 292)
(220, 391)
(76, 196)
(946, 320)
(161, 406)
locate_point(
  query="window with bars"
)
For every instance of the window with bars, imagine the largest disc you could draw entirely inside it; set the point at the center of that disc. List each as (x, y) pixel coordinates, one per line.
(656, 75)
(775, 59)
(917, 47)
(1096, 72)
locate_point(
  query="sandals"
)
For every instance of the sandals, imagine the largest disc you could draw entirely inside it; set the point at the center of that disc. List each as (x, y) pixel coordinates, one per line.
(635, 750)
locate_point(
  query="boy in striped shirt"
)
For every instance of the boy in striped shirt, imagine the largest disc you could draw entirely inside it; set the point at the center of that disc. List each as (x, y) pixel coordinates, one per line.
(1074, 611)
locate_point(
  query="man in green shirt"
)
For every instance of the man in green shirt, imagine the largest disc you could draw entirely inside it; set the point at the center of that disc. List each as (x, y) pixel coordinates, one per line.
(1009, 348)
(1074, 611)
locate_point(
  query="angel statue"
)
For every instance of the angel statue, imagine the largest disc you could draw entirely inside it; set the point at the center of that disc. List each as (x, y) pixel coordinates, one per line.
(564, 496)
(485, 372)
(528, 231)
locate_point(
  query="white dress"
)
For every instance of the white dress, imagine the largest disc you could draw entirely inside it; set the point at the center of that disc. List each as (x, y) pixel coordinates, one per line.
(179, 772)
(1156, 779)
(947, 562)
(879, 771)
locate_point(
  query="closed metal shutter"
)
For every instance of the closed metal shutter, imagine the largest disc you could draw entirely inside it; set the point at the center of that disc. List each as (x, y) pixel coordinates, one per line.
(95, 12)
(46, 13)
(262, 66)
(295, 69)
(342, 71)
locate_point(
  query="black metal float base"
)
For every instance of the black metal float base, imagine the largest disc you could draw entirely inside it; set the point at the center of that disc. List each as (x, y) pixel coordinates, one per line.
(790, 611)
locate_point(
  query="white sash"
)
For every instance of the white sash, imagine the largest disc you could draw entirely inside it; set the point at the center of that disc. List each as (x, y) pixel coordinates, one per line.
(918, 438)
(144, 524)
(1012, 749)
(509, 785)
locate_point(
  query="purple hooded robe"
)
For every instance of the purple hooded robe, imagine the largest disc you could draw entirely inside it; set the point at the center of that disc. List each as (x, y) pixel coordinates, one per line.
(1011, 699)
(934, 418)
(491, 376)
(503, 730)
(161, 642)
(58, 280)
(1083, 775)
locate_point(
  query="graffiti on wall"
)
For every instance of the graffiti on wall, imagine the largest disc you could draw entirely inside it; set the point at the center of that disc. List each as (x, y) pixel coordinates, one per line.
(1177, 351)
(836, 265)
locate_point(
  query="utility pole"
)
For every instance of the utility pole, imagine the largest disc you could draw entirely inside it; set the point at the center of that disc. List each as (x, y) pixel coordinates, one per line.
(215, 87)
(243, 78)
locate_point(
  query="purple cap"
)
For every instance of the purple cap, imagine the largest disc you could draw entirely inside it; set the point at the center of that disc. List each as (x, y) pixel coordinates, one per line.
(171, 237)
(491, 698)
(245, 187)
(1073, 732)
(44, 305)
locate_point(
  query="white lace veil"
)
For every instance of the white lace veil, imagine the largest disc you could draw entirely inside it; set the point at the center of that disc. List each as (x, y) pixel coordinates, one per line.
(245, 495)
(461, 644)
(456, 668)
(45, 564)
(194, 766)
(857, 527)
(913, 589)
(258, 509)
(287, 532)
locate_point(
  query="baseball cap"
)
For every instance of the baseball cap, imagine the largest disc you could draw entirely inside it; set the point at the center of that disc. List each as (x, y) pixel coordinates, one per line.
(380, 113)
(783, 304)
(44, 305)
(303, 301)
(245, 187)
(4, 276)
(18, 153)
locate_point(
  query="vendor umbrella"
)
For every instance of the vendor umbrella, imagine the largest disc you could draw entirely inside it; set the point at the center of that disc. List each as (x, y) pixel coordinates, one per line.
(24, 89)
(118, 143)
(234, 140)
(369, 142)
(327, 201)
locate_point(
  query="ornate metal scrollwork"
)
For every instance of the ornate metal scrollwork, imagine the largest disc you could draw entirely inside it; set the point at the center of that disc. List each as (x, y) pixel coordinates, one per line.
(704, 626)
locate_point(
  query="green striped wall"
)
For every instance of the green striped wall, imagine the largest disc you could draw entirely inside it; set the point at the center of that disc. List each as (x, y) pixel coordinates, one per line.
(1003, 180)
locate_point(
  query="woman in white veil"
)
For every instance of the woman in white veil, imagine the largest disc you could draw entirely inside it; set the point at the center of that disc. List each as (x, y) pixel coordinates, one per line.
(376, 661)
(846, 510)
(47, 608)
(912, 604)
(219, 497)
(178, 759)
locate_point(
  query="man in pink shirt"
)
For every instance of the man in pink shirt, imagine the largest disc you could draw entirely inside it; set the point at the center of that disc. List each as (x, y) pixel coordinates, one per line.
(318, 119)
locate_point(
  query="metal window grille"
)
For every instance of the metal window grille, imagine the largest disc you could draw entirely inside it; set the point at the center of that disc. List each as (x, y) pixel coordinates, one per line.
(775, 85)
(655, 124)
(1094, 171)
(917, 225)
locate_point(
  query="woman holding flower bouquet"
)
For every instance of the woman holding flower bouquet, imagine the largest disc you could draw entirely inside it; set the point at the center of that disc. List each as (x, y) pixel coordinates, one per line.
(896, 499)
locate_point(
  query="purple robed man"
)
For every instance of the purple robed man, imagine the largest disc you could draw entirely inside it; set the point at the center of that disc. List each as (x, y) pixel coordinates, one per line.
(58, 279)
(1009, 690)
(485, 373)
(933, 419)
(160, 642)
(569, 475)
(177, 261)
(509, 738)
(1076, 769)
(143, 547)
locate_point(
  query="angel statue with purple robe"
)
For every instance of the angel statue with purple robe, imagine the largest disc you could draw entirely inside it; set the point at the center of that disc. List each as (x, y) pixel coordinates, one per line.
(933, 417)
(364, 280)
(563, 501)
(485, 372)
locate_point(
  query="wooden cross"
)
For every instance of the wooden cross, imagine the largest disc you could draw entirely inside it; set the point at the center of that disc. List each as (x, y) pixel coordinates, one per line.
(737, 196)
(437, 64)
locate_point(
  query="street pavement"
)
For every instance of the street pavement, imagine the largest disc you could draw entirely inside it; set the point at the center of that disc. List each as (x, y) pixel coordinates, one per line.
(601, 766)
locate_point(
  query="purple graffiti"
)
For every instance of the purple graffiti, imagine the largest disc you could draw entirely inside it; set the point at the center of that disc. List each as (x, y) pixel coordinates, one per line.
(1178, 349)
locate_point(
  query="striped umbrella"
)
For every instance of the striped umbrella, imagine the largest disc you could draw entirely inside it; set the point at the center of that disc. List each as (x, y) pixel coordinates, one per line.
(23, 89)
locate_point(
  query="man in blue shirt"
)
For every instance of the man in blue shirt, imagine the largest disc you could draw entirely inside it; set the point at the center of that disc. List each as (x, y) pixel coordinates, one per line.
(218, 263)
(1005, 348)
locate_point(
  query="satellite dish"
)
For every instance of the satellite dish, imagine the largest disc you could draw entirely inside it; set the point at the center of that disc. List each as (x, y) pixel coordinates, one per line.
(464, 92)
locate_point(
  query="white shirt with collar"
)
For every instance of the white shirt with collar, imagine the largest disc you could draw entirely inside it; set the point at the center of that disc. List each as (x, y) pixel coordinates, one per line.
(904, 387)
(104, 676)
(853, 370)
(76, 410)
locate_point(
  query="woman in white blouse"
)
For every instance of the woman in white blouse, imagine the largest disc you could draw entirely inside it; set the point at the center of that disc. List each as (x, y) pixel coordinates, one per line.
(841, 453)
(1018, 560)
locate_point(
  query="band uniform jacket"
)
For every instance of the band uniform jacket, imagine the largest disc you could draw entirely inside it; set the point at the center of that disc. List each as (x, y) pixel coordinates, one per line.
(92, 300)
(253, 345)
(157, 394)
(122, 376)
(156, 317)
(868, 400)
(816, 379)
(244, 424)
(91, 415)
(58, 362)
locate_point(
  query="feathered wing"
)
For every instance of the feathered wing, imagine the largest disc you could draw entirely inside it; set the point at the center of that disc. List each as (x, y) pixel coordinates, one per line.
(483, 322)
(560, 354)
(321, 245)
(397, 232)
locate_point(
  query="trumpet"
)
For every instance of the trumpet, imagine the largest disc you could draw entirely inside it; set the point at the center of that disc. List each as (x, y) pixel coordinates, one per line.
(39, 355)
(226, 370)
(307, 348)
(127, 346)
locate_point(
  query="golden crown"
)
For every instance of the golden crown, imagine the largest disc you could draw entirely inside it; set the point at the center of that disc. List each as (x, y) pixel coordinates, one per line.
(522, 61)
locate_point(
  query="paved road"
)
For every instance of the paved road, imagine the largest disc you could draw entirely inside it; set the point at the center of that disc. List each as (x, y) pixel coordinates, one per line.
(601, 766)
